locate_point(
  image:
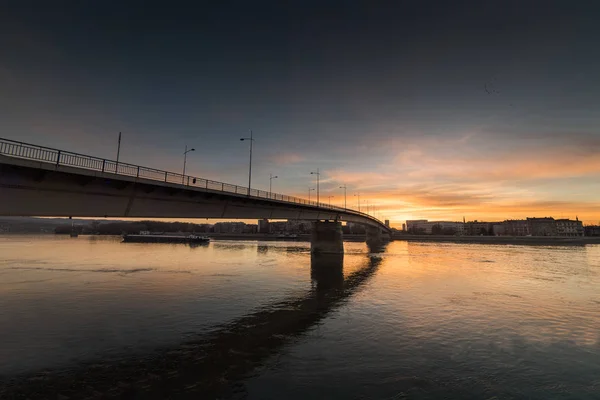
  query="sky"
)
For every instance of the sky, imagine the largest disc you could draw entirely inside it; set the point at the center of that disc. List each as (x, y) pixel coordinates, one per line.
(434, 110)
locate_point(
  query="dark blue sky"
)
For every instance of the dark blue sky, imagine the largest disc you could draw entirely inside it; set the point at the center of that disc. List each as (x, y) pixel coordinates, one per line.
(431, 108)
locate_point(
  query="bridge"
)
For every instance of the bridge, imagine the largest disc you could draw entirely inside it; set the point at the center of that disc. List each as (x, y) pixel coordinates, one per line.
(42, 181)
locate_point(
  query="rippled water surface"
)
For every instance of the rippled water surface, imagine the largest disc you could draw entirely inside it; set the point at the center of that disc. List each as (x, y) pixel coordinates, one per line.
(262, 320)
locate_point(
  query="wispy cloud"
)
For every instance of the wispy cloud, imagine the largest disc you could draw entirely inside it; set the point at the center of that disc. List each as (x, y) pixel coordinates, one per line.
(479, 176)
(287, 158)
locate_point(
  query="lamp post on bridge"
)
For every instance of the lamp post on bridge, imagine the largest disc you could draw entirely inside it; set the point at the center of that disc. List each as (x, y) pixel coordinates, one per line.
(271, 177)
(344, 187)
(184, 161)
(330, 197)
(358, 195)
(310, 190)
(118, 153)
(250, 167)
(318, 174)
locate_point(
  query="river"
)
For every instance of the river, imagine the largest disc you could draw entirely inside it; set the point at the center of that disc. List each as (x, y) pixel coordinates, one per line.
(260, 320)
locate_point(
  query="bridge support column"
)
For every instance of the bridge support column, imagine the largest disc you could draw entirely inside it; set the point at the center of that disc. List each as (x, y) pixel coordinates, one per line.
(326, 238)
(375, 237)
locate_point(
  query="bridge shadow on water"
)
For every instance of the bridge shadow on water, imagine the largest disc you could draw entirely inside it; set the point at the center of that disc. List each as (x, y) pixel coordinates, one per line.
(212, 365)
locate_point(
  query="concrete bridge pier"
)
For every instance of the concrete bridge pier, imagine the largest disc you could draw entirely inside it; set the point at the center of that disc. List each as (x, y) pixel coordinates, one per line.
(375, 236)
(326, 238)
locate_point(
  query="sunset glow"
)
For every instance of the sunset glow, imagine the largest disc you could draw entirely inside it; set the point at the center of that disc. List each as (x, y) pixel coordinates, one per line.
(423, 124)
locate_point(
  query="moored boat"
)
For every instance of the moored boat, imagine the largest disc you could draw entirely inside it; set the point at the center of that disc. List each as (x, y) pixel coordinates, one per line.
(165, 239)
(286, 236)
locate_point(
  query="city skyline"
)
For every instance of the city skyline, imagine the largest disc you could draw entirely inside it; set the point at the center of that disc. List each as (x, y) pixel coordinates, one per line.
(435, 111)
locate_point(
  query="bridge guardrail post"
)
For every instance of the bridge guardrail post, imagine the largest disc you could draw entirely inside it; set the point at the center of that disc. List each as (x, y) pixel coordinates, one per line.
(138, 172)
(58, 158)
(166, 175)
(103, 163)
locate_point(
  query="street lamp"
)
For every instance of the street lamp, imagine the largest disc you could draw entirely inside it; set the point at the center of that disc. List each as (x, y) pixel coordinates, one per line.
(250, 168)
(309, 190)
(271, 177)
(344, 187)
(329, 197)
(358, 195)
(317, 174)
(184, 160)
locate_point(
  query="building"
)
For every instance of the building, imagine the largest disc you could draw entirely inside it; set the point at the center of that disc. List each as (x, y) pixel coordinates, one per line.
(298, 226)
(387, 223)
(568, 227)
(403, 227)
(230, 227)
(478, 228)
(516, 227)
(592, 230)
(498, 229)
(353, 228)
(413, 226)
(542, 226)
(448, 227)
(250, 228)
(289, 226)
(424, 226)
(264, 226)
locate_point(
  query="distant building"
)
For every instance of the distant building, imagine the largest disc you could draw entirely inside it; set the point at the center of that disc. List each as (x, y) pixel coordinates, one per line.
(264, 226)
(250, 228)
(498, 229)
(568, 227)
(290, 226)
(592, 230)
(516, 227)
(542, 226)
(387, 223)
(277, 227)
(413, 225)
(424, 226)
(229, 227)
(478, 228)
(447, 227)
(403, 227)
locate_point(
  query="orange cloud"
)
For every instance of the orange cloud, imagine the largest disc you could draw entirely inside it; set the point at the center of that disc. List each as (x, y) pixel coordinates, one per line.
(449, 179)
(287, 158)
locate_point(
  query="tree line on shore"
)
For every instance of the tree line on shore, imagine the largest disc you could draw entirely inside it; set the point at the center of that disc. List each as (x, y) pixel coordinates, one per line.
(132, 227)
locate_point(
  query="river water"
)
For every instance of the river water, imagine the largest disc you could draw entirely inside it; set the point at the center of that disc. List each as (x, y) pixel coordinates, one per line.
(261, 320)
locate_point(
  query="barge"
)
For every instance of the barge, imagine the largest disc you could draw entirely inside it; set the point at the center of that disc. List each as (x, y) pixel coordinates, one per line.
(190, 239)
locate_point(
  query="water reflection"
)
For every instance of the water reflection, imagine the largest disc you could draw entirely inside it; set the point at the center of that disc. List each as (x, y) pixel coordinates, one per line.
(208, 366)
(195, 245)
(327, 271)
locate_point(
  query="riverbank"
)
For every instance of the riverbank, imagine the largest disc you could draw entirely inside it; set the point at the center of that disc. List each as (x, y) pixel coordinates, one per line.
(536, 240)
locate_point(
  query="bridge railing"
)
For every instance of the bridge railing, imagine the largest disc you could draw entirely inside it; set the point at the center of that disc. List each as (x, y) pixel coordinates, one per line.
(57, 157)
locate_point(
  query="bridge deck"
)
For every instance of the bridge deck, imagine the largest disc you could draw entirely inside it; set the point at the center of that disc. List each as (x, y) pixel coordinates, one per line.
(64, 165)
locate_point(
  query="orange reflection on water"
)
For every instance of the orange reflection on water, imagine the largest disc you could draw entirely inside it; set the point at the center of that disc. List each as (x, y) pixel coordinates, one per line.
(537, 293)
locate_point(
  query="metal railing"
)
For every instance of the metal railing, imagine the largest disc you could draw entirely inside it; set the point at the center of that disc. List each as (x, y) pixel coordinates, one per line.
(57, 157)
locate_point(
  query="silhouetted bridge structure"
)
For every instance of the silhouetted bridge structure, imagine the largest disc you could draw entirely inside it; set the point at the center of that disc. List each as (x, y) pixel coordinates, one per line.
(42, 181)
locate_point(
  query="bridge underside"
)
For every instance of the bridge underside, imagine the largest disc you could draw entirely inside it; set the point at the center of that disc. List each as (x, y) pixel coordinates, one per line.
(29, 188)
